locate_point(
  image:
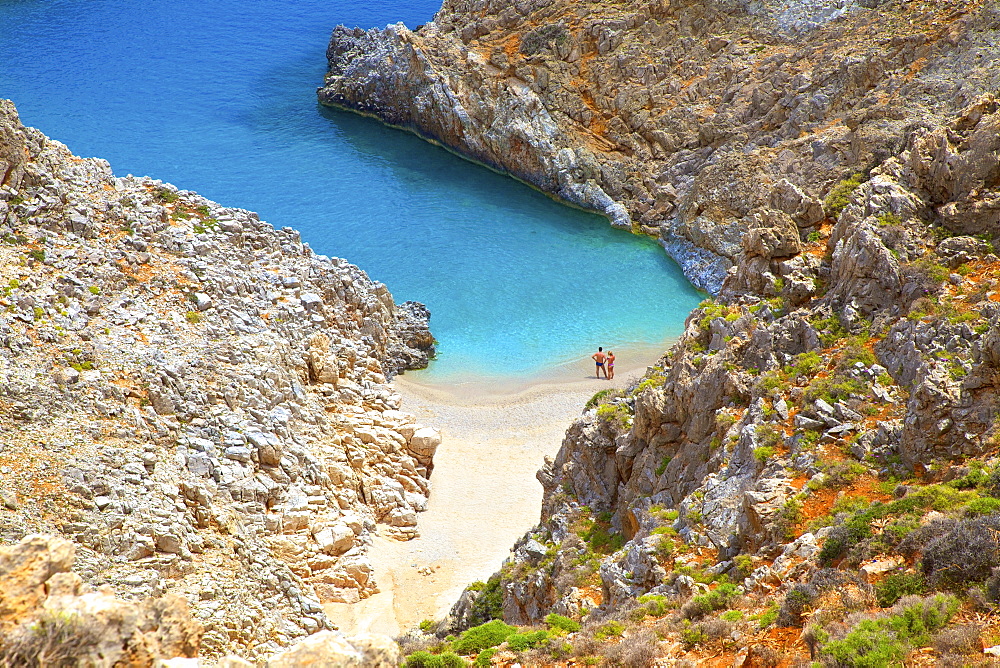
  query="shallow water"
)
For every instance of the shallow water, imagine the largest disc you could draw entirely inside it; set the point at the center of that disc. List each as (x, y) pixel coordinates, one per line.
(219, 97)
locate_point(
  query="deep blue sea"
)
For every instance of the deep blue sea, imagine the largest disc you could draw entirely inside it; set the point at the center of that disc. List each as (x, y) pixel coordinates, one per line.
(219, 97)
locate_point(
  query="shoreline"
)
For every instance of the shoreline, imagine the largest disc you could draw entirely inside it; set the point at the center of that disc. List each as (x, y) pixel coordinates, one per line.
(484, 495)
(472, 387)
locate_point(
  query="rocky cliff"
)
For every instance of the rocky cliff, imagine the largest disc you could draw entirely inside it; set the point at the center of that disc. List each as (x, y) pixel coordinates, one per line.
(197, 400)
(684, 120)
(819, 447)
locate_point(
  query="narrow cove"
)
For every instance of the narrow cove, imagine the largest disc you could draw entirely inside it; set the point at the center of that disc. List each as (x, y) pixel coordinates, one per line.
(521, 288)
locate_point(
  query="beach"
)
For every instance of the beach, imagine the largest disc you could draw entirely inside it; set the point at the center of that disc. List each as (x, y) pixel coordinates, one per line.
(484, 494)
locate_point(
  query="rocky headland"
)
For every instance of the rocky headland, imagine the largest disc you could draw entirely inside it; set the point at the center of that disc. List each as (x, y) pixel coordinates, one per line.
(200, 404)
(810, 474)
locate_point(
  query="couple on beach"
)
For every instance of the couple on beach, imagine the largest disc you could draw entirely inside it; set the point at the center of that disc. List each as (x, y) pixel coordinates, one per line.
(605, 363)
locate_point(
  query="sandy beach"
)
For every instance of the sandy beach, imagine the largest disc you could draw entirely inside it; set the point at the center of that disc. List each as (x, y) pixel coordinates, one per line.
(484, 495)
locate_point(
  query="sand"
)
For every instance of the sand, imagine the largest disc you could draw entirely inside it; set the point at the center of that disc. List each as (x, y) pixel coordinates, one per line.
(484, 494)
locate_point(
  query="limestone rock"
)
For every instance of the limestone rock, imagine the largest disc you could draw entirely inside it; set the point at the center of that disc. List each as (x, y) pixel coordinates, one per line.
(332, 648)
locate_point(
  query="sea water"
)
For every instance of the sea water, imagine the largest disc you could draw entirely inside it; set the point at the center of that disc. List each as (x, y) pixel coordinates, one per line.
(219, 97)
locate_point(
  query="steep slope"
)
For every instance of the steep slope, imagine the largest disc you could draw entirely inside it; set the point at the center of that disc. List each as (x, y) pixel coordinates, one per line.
(822, 440)
(199, 401)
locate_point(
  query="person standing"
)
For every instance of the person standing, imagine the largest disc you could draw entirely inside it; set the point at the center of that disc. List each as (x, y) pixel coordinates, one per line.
(609, 370)
(599, 357)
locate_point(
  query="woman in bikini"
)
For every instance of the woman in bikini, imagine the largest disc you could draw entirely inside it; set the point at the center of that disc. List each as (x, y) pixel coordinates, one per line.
(610, 372)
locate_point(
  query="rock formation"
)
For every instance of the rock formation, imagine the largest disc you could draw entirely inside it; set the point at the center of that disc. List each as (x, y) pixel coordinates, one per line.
(829, 171)
(197, 400)
(682, 119)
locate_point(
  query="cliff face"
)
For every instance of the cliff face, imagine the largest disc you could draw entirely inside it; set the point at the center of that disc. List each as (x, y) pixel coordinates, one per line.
(688, 121)
(197, 400)
(824, 433)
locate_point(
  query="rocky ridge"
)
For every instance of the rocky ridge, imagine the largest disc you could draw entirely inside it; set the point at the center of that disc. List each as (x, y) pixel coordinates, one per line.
(197, 400)
(822, 439)
(688, 121)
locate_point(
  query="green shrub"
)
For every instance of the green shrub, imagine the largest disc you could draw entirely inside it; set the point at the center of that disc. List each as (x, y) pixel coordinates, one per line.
(663, 466)
(655, 605)
(983, 506)
(805, 364)
(888, 219)
(840, 195)
(769, 616)
(427, 660)
(616, 413)
(483, 660)
(560, 623)
(665, 549)
(192, 317)
(719, 598)
(520, 642)
(732, 616)
(426, 625)
(897, 585)
(489, 604)
(481, 637)
(693, 636)
(601, 538)
(601, 396)
(879, 643)
(744, 564)
(610, 629)
(37, 254)
(165, 195)
(763, 453)
(656, 379)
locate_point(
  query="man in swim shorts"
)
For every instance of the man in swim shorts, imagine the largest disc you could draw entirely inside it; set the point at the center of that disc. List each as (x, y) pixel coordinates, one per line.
(599, 357)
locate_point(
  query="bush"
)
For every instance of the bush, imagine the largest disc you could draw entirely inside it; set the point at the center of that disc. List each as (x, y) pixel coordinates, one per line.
(897, 585)
(762, 453)
(489, 604)
(428, 660)
(483, 660)
(797, 601)
(54, 639)
(655, 605)
(601, 397)
(560, 623)
(840, 195)
(719, 598)
(965, 554)
(166, 195)
(693, 636)
(876, 643)
(984, 506)
(483, 637)
(541, 38)
(639, 651)
(959, 639)
(520, 642)
(611, 629)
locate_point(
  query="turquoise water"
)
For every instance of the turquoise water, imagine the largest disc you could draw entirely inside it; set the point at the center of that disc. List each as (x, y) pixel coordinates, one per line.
(219, 97)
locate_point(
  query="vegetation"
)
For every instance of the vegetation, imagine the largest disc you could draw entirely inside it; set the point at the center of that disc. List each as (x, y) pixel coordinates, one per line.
(53, 639)
(840, 195)
(482, 637)
(878, 643)
(560, 623)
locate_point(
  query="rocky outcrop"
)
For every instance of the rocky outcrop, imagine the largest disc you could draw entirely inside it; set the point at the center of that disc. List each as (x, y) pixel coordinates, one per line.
(198, 401)
(683, 120)
(49, 616)
(865, 352)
